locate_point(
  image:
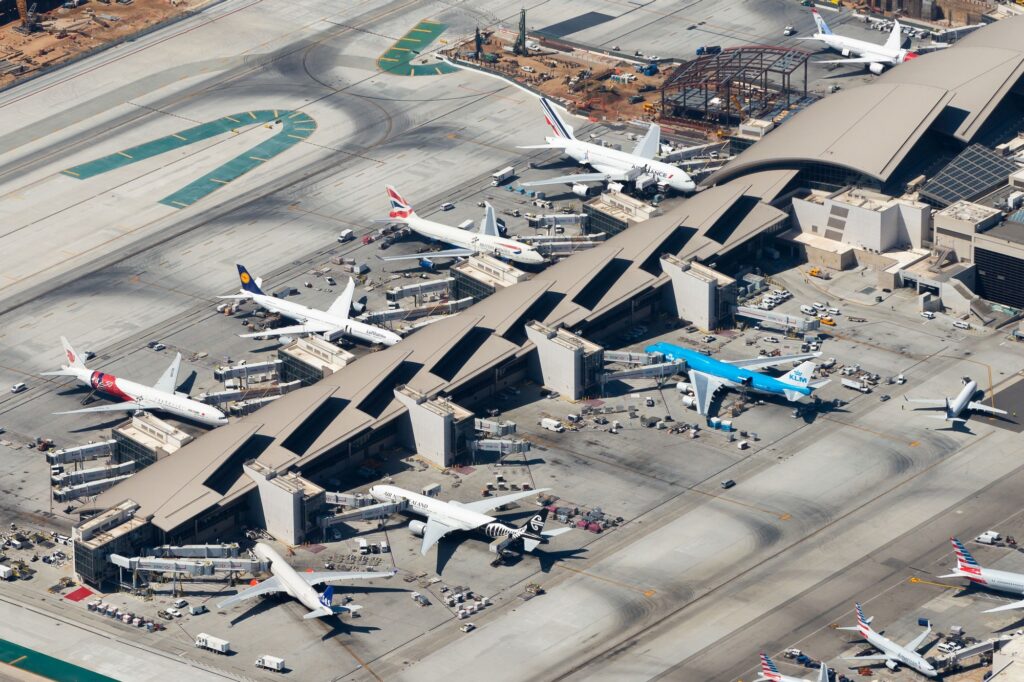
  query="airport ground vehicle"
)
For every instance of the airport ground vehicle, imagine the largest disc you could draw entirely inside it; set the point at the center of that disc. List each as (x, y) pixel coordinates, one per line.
(552, 425)
(501, 176)
(273, 663)
(211, 643)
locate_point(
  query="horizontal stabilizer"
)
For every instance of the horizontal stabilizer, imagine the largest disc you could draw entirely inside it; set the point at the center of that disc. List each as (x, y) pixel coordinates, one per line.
(570, 179)
(1012, 606)
(792, 396)
(858, 60)
(537, 146)
(556, 532)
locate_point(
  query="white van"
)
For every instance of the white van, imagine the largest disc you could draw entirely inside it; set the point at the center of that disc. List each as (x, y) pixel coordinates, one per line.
(808, 310)
(959, 324)
(18, 387)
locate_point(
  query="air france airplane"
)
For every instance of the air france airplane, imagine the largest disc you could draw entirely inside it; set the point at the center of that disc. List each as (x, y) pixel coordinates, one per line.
(610, 164)
(332, 323)
(1003, 581)
(770, 672)
(891, 652)
(299, 586)
(707, 374)
(161, 396)
(487, 241)
(446, 517)
(877, 57)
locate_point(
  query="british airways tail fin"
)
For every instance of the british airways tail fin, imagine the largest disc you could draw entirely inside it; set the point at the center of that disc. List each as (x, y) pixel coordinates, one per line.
(561, 128)
(822, 26)
(400, 208)
(250, 284)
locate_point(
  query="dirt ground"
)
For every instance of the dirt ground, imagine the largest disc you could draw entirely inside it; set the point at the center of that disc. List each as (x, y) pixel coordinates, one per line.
(67, 32)
(582, 80)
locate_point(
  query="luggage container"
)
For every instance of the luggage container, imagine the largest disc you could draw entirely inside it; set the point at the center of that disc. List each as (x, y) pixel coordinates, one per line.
(273, 663)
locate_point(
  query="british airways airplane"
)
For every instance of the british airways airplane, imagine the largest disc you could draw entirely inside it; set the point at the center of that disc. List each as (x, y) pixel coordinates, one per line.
(487, 241)
(707, 374)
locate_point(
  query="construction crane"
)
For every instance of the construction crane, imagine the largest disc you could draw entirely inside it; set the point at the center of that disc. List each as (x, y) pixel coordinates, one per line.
(29, 19)
(520, 46)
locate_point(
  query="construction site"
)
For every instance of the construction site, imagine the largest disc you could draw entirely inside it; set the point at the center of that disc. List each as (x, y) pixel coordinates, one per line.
(41, 34)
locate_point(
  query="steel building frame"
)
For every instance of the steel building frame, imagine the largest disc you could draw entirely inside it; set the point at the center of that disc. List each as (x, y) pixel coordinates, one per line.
(747, 72)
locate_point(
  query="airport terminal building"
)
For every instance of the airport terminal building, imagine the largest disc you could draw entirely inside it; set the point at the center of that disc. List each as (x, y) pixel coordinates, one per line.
(272, 468)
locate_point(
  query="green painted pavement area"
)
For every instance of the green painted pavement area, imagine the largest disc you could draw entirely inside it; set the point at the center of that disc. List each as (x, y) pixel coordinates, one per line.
(296, 126)
(46, 666)
(398, 58)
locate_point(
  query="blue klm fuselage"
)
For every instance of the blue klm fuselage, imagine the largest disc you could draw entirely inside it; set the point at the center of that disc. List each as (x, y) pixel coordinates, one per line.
(730, 375)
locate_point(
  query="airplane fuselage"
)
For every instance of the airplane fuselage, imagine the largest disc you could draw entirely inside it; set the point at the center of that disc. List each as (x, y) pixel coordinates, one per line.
(509, 249)
(130, 391)
(343, 326)
(730, 375)
(293, 585)
(900, 654)
(851, 47)
(957, 405)
(1001, 581)
(450, 513)
(606, 160)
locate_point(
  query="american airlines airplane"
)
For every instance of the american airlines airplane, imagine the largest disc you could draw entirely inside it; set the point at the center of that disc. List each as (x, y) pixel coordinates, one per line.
(1003, 581)
(952, 408)
(332, 323)
(891, 652)
(877, 57)
(610, 164)
(299, 586)
(161, 396)
(446, 517)
(770, 672)
(707, 374)
(487, 241)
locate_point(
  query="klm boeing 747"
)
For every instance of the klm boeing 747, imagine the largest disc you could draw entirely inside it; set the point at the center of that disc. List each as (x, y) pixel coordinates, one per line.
(707, 374)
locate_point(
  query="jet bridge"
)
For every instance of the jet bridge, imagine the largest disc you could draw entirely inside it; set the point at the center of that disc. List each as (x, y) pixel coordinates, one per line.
(656, 371)
(503, 446)
(365, 513)
(194, 568)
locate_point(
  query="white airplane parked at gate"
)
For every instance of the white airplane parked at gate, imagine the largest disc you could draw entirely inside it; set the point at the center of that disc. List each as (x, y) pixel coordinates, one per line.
(876, 57)
(610, 164)
(162, 395)
(770, 672)
(446, 517)
(892, 653)
(1002, 581)
(332, 323)
(963, 401)
(299, 586)
(487, 241)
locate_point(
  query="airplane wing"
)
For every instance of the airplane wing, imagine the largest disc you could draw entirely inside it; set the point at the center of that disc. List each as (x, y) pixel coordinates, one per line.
(434, 531)
(649, 144)
(307, 328)
(567, 179)
(132, 406)
(489, 504)
(916, 642)
(879, 59)
(704, 387)
(871, 657)
(981, 407)
(760, 363)
(1007, 607)
(317, 577)
(937, 402)
(343, 304)
(268, 586)
(168, 382)
(447, 253)
(490, 225)
(823, 673)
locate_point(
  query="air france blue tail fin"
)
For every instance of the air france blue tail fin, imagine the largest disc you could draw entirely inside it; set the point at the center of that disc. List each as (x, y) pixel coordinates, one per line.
(249, 284)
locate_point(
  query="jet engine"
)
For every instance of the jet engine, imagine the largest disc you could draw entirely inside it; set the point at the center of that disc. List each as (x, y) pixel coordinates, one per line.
(876, 68)
(417, 528)
(846, 52)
